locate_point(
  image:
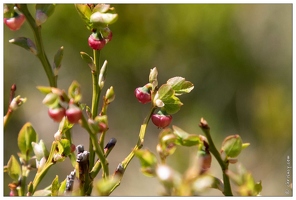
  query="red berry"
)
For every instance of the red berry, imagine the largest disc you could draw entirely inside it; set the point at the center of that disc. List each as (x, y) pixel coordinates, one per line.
(73, 114)
(96, 43)
(143, 95)
(56, 114)
(15, 23)
(160, 120)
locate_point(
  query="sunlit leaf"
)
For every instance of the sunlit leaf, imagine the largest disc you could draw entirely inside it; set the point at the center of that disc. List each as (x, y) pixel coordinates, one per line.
(74, 91)
(26, 136)
(55, 186)
(104, 186)
(13, 168)
(180, 85)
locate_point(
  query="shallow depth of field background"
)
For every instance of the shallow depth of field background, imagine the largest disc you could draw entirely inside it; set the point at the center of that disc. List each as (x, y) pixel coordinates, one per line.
(239, 57)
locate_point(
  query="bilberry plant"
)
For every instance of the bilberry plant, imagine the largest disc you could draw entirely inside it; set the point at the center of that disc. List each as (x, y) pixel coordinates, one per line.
(67, 110)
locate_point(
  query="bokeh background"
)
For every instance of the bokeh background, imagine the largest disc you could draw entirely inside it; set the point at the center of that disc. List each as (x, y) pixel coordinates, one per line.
(238, 56)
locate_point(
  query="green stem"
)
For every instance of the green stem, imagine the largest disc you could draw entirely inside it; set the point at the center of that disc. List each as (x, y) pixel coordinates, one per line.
(95, 101)
(25, 173)
(39, 45)
(138, 146)
(97, 148)
(224, 166)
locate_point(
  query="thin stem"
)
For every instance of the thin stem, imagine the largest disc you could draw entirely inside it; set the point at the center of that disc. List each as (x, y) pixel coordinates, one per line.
(95, 102)
(97, 148)
(224, 166)
(39, 45)
(25, 173)
(138, 146)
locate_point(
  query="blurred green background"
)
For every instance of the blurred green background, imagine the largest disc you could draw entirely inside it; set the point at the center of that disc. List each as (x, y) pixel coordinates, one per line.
(239, 57)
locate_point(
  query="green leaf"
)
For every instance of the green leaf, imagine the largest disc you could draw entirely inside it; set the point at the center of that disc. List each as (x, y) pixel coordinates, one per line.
(58, 60)
(55, 186)
(65, 125)
(64, 147)
(51, 100)
(62, 188)
(42, 193)
(166, 145)
(44, 89)
(147, 158)
(26, 136)
(232, 146)
(191, 140)
(148, 162)
(184, 138)
(85, 13)
(180, 85)
(104, 186)
(180, 133)
(74, 91)
(13, 168)
(165, 92)
(172, 104)
(88, 59)
(25, 43)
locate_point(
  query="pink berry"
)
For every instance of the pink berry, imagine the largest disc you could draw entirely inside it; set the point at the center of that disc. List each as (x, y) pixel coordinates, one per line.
(96, 43)
(15, 23)
(56, 114)
(73, 114)
(143, 95)
(160, 120)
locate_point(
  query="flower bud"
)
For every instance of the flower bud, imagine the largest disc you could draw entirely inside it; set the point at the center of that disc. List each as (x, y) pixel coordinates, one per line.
(109, 146)
(110, 96)
(43, 11)
(161, 120)
(95, 42)
(38, 151)
(57, 114)
(16, 22)
(17, 102)
(143, 95)
(73, 114)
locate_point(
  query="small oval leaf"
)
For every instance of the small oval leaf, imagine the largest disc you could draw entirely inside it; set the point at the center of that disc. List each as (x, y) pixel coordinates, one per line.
(55, 186)
(26, 136)
(13, 168)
